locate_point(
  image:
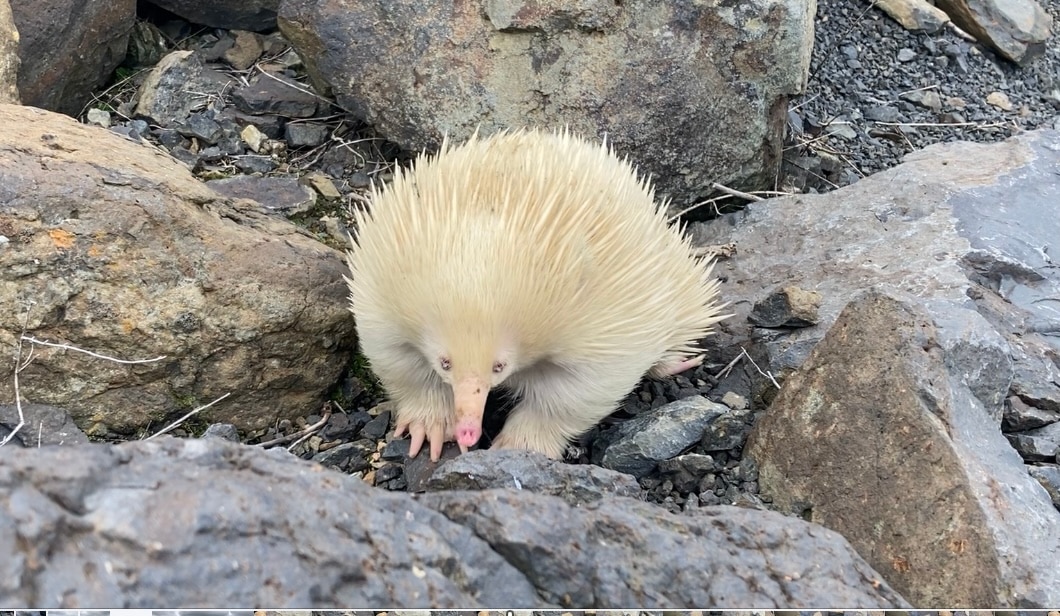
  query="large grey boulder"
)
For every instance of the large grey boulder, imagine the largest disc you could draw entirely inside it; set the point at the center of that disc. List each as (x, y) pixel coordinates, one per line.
(695, 91)
(206, 522)
(113, 247)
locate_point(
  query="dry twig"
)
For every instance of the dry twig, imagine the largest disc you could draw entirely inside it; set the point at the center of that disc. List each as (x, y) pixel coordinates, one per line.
(186, 416)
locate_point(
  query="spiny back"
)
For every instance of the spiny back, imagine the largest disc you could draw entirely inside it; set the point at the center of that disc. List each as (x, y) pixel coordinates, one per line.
(543, 234)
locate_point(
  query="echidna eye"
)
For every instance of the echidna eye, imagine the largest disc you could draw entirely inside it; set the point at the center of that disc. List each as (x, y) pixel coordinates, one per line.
(499, 366)
(446, 363)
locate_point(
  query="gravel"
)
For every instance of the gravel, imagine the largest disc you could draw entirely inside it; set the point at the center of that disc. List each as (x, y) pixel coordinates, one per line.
(877, 92)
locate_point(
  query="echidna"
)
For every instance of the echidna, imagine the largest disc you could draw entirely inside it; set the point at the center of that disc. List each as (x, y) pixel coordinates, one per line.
(531, 259)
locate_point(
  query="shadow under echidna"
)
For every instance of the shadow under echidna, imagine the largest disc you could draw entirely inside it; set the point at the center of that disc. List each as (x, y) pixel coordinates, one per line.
(532, 260)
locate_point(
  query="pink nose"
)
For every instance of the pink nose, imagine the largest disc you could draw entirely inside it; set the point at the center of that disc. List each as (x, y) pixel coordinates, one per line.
(467, 435)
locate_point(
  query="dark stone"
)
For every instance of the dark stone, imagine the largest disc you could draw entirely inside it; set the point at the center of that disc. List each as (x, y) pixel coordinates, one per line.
(305, 134)
(272, 94)
(202, 127)
(223, 431)
(377, 427)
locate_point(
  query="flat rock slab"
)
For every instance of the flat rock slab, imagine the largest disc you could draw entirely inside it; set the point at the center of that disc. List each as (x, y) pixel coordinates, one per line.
(877, 438)
(207, 522)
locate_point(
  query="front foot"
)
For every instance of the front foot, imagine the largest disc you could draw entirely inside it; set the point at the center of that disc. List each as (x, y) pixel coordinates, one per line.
(511, 438)
(434, 432)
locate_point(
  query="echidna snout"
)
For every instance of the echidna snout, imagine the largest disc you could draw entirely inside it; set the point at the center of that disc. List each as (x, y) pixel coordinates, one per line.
(469, 398)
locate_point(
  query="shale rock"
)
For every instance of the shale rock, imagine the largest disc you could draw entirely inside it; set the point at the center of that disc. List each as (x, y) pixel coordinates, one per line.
(117, 249)
(68, 48)
(631, 71)
(207, 522)
(878, 437)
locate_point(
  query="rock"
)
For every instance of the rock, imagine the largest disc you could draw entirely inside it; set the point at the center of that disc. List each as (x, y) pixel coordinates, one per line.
(245, 52)
(629, 70)
(42, 425)
(787, 307)
(275, 194)
(272, 94)
(929, 99)
(687, 471)
(305, 134)
(256, 164)
(68, 48)
(115, 537)
(1017, 29)
(9, 61)
(915, 15)
(201, 126)
(147, 45)
(741, 557)
(930, 227)
(1019, 416)
(878, 438)
(376, 427)
(882, 113)
(98, 117)
(118, 250)
(1049, 476)
(906, 55)
(999, 100)
(638, 445)
(164, 97)
(577, 484)
(347, 457)
(224, 431)
(734, 401)
(727, 431)
(322, 184)
(1038, 445)
(253, 137)
(253, 15)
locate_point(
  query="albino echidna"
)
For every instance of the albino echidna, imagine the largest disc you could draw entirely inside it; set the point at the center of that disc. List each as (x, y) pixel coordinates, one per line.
(533, 259)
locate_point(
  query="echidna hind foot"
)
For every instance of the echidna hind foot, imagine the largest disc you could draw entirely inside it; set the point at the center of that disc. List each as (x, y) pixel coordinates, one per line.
(531, 440)
(664, 368)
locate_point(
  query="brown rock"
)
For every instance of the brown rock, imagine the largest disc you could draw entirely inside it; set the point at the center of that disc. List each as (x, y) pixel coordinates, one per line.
(245, 52)
(630, 70)
(8, 55)
(68, 48)
(115, 248)
(875, 438)
(915, 15)
(1017, 29)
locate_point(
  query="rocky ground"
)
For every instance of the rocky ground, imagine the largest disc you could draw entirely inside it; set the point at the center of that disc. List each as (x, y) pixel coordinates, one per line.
(876, 93)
